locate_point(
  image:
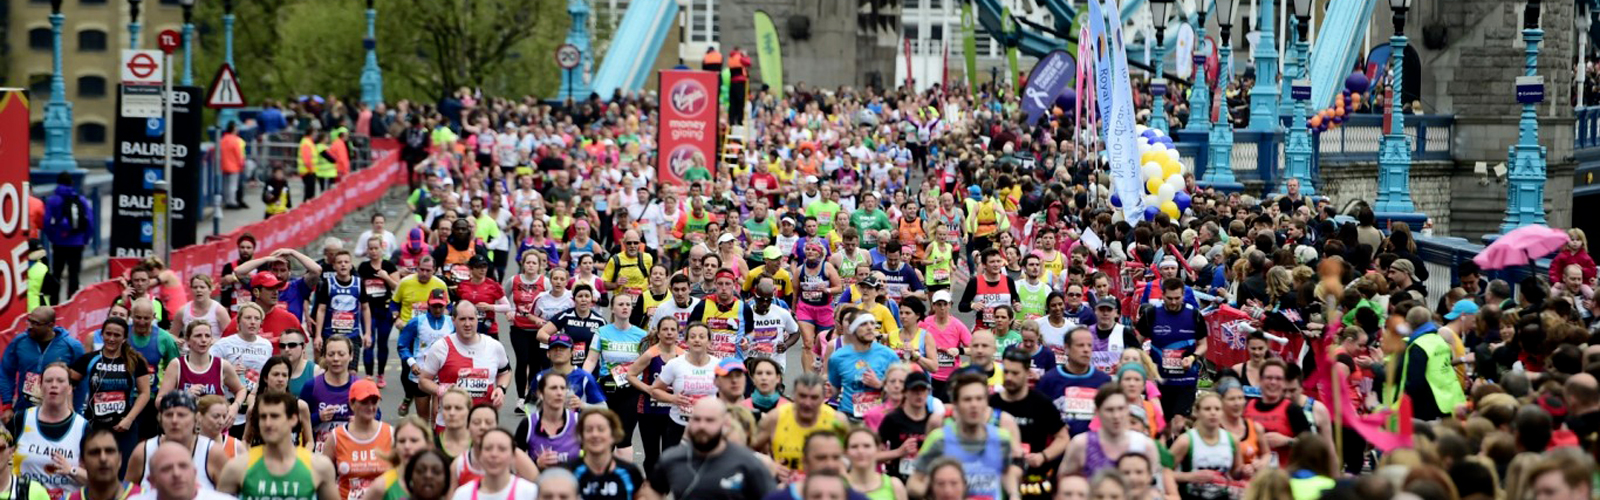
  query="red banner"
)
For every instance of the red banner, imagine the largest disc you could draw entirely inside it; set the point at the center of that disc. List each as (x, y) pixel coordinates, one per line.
(14, 197)
(687, 131)
(297, 228)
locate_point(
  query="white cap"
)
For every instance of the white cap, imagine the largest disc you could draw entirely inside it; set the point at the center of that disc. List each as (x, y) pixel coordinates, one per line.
(811, 179)
(726, 238)
(941, 296)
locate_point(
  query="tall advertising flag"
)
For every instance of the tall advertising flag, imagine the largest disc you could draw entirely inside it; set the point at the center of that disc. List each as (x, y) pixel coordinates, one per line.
(969, 44)
(1049, 79)
(687, 131)
(1114, 101)
(769, 54)
(14, 191)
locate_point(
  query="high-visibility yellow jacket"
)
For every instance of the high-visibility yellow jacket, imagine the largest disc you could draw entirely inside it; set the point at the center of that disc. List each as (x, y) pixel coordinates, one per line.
(308, 155)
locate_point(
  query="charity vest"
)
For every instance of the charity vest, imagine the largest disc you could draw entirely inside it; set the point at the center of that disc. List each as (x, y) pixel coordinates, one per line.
(1273, 420)
(986, 217)
(1441, 376)
(789, 437)
(724, 325)
(457, 260)
(847, 269)
(992, 295)
(201, 453)
(308, 155)
(939, 263)
(33, 453)
(360, 461)
(344, 307)
(1032, 298)
(460, 370)
(983, 470)
(1107, 351)
(325, 169)
(1170, 340)
(1055, 265)
(261, 484)
(814, 286)
(563, 442)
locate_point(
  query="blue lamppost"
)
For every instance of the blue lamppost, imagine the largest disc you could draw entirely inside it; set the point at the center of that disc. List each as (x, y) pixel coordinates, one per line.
(1292, 62)
(371, 74)
(1158, 103)
(573, 82)
(1394, 152)
(1219, 164)
(133, 23)
(227, 115)
(1264, 96)
(1297, 147)
(57, 112)
(1199, 94)
(1525, 182)
(188, 42)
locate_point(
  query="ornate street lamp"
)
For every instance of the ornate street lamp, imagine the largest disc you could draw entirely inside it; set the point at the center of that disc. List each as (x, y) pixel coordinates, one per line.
(57, 112)
(1219, 165)
(1199, 95)
(133, 23)
(188, 40)
(1394, 151)
(1525, 182)
(371, 74)
(227, 115)
(1264, 95)
(1297, 147)
(1158, 87)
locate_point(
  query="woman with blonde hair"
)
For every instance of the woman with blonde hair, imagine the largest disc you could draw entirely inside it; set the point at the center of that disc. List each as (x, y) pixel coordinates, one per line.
(1270, 484)
(201, 307)
(412, 436)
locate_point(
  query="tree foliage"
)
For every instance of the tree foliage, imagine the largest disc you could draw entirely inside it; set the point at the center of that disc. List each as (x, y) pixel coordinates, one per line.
(426, 47)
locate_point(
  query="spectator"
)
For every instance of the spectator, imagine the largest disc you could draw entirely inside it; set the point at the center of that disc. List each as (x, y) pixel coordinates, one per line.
(22, 366)
(70, 223)
(230, 154)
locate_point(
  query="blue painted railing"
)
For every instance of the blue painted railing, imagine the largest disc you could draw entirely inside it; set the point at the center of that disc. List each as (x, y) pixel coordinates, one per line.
(1587, 134)
(1358, 139)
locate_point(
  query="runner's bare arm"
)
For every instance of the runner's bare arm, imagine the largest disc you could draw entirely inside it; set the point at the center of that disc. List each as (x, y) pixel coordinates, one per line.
(327, 482)
(232, 475)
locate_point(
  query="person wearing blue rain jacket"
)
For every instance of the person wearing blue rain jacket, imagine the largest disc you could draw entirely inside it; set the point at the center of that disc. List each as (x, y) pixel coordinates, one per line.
(24, 361)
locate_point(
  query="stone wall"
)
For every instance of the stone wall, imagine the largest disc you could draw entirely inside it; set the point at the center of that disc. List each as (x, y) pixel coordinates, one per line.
(833, 55)
(1430, 188)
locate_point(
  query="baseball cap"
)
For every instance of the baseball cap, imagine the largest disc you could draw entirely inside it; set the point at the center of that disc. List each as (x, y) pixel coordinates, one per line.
(477, 261)
(364, 389)
(177, 399)
(437, 298)
(918, 378)
(728, 365)
(874, 282)
(1463, 306)
(1405, 266)
(1106, 302)
(941, 296)
(726, 238)
(772, 253)
(811, 179)
(265, 279)
(560, 339)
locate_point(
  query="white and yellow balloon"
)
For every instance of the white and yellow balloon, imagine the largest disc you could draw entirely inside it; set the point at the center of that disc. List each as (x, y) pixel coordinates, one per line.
(1162, 175)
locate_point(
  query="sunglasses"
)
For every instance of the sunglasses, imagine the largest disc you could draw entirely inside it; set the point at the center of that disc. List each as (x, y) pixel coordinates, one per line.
(292, 345)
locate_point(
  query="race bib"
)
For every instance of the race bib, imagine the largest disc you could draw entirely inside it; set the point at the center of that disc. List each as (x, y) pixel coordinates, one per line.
(460, 273)
(358, 488)
(30, 386)
(764, 342)
(241, 296)
(343, 321)
(525, 309)
(475, 381)
(110, 403)
(946, 360)
(1078, 403)
(250, 377)
(580, 351)
(688, 410)
(619, 374)
(907, 466)
(376, 288)
(1172, 360)
(865, 401)
(722, 344)
(940, 275)
(1061, 354)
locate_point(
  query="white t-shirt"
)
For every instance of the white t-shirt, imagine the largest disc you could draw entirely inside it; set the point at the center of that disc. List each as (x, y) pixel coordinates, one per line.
(519, 489)
(767, 332)
(649, 224)
(689, 380)
(251, 355)
(388, 247)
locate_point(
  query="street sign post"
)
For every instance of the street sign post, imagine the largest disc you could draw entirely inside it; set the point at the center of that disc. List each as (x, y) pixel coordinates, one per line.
(169, 40)
(141, 83)
(160, 242)
(568, 57)
(225, 90)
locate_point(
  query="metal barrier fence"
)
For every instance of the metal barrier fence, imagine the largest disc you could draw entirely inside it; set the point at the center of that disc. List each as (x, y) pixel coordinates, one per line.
(1444, 256)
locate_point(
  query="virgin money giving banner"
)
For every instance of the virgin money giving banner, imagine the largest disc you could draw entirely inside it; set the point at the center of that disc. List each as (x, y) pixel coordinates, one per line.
(301, 226)
(687, 133)
(1048, 80)
(14, 191)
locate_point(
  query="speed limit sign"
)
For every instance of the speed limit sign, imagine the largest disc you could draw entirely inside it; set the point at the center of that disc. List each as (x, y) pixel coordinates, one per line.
(568, 56)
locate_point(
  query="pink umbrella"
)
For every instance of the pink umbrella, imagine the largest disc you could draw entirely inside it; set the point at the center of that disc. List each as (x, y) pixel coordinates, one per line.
(1521, 246)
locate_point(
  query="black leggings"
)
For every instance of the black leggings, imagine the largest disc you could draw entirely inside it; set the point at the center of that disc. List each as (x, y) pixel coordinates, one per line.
(658, 432)
(530, 357)
(625, 403)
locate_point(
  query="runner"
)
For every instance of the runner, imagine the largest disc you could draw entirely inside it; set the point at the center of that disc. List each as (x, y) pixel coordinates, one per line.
(578, 323)
(412, 437)
(416, 337)
(277, 469)
(784, 431)
(275, 377)
(215, 420)
(49, 436)
(115, 382)
(982, 447)
(601, 475)
(202, 308)
(488, 295)
(179, 425)
(619, 345)
(858, 368)
(356, 449)
(723, 313)
(341, 305)
(248, 352)
(654, 414)
(526, 288)
(467, 360)
(772, 327)
(199, 373)
(329, 394)
(685, 380)
(497, 480)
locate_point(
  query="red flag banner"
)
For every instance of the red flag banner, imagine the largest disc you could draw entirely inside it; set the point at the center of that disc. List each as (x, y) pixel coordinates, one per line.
(296, 228)
(687, 130)
(1228, 328)
(14, 194)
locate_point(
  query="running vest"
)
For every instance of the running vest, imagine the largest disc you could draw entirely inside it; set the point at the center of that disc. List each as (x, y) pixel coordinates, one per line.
(1053, 266)
(209, 380)
(261, 484)
(344, 308)
(210, 317)
(460, 371)
(427, 334)
(201, 454)
(358, 461)
(847, 269)
(33, 452)
(1032, 299)
(456, 260)
(991, 295)
(1107, 351)
(939, 262)
(564, 443)
(724, 326)
(1217, 457)
(814, 286)
(1273, 420)
(983, 470)
(789, 437)
(523, 295)
(1170, 340)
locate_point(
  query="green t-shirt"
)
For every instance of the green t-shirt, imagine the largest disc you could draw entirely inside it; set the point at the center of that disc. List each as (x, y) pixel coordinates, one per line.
(866, 220)
(697, 173)
(823, 212)
(166, 344)
(761, 229)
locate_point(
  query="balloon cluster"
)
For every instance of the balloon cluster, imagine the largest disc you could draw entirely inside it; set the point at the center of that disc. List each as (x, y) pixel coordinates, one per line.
(1162, 174)
(1348, 101)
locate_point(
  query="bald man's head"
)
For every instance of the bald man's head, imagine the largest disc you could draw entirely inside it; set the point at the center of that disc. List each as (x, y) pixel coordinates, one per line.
(706, 424)
(172, 472)
(1583, 393)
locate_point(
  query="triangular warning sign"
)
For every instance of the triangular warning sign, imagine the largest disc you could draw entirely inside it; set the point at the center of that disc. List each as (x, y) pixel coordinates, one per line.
(225, 90)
